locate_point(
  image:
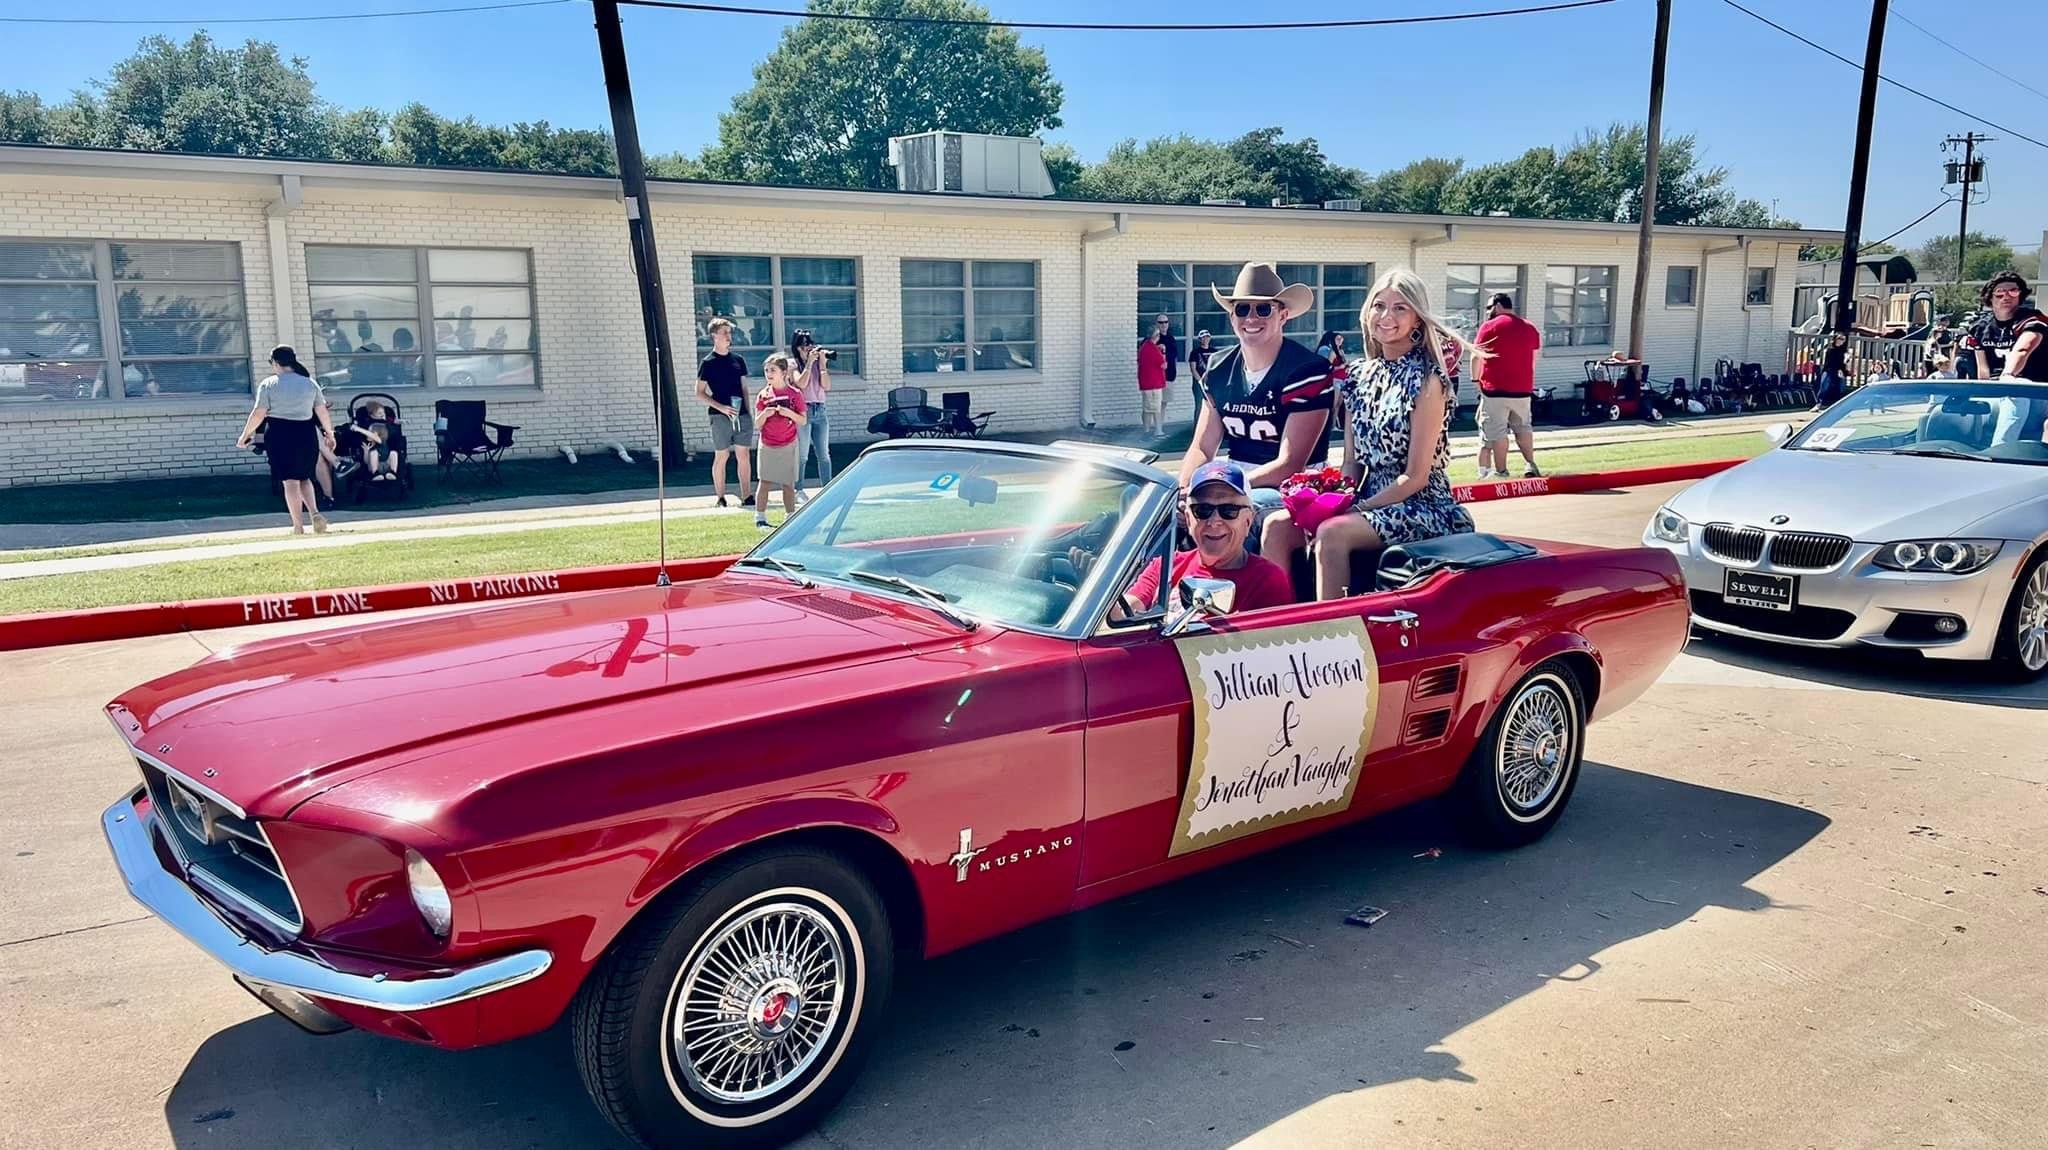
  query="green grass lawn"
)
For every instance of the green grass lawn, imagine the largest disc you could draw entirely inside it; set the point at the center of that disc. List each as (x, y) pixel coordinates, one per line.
(553, 548)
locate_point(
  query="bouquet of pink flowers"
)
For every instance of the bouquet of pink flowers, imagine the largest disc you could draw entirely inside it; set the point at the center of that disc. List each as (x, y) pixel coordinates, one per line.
(1313, 497)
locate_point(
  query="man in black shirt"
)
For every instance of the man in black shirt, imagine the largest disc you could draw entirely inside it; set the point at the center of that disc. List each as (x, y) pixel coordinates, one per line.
(722, 388)
(2006, 341)
(1267, 399)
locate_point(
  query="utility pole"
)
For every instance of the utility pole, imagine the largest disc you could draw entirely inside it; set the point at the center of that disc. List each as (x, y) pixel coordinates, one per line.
(1859, 174)
(1970, 171)
(661, 364)
(1649, 201)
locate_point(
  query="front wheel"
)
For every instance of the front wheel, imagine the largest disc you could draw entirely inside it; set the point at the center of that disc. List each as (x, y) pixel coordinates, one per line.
(2023, 633)
(738, 1013)
(1521, 775)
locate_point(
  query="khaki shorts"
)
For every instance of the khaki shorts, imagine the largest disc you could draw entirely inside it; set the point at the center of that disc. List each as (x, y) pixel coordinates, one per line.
(1155, 402)
(1500, 414)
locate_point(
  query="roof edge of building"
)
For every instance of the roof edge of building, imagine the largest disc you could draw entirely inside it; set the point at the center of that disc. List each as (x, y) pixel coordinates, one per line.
(133, 164)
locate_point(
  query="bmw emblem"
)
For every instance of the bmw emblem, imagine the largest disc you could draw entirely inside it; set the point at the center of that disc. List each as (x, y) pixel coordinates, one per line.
(1780, 520)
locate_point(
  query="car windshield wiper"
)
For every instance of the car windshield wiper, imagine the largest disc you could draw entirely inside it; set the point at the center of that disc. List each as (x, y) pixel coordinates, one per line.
(933, 599)
(1942, 453)
(794, 571)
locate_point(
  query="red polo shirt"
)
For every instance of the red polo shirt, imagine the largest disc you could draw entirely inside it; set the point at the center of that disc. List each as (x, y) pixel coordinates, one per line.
(1508, 343)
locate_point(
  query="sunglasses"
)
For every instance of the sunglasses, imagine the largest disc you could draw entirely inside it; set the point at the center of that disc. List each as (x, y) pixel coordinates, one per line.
(1229, 511)
(1262, 310)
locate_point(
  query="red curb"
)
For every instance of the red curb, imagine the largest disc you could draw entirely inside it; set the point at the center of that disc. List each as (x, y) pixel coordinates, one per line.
(99, 624)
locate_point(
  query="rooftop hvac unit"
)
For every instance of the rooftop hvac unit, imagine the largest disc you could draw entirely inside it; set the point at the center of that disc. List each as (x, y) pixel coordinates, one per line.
(1222, 203)
(970, 164)
(1343, 205)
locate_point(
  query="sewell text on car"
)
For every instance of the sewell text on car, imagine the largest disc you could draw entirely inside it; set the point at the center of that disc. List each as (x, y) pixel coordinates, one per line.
(1913, 515)
(708, 821)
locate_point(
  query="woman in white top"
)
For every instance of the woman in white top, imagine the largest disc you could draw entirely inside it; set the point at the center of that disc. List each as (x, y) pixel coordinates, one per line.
(299, 425)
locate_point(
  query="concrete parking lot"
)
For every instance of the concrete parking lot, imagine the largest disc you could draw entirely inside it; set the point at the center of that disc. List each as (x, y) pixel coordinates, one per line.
(1798, 901)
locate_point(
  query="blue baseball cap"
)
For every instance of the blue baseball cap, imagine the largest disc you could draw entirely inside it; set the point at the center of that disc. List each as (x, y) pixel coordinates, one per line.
(1220, 471)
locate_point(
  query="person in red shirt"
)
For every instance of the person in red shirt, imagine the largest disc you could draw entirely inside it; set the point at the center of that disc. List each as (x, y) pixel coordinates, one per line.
(781, 411)
(1507, 379)
(1219, 517)
(1152, 381)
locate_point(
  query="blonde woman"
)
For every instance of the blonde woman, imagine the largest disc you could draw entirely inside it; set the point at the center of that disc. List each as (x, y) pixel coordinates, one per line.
(1396, 438)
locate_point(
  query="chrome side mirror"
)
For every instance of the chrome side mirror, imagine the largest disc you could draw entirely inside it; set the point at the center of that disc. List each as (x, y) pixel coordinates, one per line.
(1778, 433)
(1198, 600)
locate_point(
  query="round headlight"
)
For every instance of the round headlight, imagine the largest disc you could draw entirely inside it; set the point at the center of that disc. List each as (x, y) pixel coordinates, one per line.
(429, 895)
(1948, 555)
(1908, 555)
(1669, 526)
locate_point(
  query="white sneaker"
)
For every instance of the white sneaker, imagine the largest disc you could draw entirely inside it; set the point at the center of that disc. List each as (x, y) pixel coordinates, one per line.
(1486, 473)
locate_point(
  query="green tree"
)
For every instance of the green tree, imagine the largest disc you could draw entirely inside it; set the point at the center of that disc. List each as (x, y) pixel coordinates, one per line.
(1166, 170)
(826, 101)
(24, 119)
(1418, 187)
(1600, 177)
(1935, 259)
(199, 97)
(1296, 171)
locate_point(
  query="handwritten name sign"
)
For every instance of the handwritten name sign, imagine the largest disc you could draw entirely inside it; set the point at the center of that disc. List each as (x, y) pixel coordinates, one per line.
(1283, 719)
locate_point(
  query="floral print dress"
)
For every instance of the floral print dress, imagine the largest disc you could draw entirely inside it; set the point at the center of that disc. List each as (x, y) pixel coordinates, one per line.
(1380, 397)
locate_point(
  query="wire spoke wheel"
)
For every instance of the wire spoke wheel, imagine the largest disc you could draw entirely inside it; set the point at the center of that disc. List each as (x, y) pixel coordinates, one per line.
(1537, 744)
(2030, 622)
(753, 1010)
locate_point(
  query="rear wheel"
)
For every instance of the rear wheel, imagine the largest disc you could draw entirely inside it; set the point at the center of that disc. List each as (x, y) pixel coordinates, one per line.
(738, 1013)
(1521, 775)
(2023, 632)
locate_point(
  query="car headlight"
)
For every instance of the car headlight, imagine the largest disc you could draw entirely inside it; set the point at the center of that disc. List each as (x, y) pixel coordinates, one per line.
(1937, 556)
(1669, 526)
(429, 895)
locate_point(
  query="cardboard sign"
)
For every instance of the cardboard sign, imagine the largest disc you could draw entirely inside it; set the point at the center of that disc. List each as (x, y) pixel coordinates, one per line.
(1283, 719)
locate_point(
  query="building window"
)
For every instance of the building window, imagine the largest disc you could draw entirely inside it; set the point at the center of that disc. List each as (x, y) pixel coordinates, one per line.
(1679, 285)
(1181, 293)
(768, 298)
(1467, 287)
(1581, 307)
(1756, 289)
(175, 311)
(970, 315)
(370, 305)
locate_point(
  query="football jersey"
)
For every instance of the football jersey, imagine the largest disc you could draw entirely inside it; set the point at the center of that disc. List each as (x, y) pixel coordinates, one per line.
(1254, 414)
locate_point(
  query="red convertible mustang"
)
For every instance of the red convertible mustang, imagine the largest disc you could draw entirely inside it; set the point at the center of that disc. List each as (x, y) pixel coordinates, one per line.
(708, 820)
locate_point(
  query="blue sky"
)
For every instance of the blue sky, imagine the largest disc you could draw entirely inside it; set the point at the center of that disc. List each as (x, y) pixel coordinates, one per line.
(1778, 115)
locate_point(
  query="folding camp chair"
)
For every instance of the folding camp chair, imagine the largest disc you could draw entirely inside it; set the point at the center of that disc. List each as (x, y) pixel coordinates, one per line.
(466, 439)
(909, 416)
(960, 418)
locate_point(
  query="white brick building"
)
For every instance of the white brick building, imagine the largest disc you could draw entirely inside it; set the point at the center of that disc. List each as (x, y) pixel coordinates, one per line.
(140, 295)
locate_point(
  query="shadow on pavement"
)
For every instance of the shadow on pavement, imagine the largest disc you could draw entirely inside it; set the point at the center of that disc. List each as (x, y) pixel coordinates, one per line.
(1196, 1014)
(1873, 669)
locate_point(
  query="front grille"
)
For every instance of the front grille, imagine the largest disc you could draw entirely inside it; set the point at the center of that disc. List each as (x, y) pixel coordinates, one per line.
(1735, 544)
(1800, 551)
(226, 856)
(1798, 623)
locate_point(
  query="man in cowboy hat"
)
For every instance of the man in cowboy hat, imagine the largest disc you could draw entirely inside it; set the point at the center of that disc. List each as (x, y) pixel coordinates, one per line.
(1267, 400)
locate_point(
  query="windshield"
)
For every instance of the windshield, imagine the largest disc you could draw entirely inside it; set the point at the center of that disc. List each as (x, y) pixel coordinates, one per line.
(1005, 538)
(1995, 420)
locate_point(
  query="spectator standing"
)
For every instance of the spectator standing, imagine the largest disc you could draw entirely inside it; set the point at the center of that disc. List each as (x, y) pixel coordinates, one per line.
(1152, 365)
(722, 388)
(1163, 324)
(1199, 354)
(1267, 400)
(780, 405)
(299, 424)
(814, 376)
(1507, 386)
(1834, 370)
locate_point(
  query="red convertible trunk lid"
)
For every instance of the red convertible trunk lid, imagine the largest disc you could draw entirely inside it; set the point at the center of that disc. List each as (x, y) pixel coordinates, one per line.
(274, 722)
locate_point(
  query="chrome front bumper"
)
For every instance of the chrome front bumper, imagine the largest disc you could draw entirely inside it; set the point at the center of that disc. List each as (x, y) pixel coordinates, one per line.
(165, 895)
(1869, 599)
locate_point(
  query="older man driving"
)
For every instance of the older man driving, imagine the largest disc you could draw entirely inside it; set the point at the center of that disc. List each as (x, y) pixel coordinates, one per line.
(1219, 517)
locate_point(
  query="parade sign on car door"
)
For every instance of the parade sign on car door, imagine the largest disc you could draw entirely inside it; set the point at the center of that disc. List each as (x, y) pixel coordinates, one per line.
(1282, 721)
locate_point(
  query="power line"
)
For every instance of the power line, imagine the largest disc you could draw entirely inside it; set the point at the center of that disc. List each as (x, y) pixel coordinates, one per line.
(1972, 59)
(1056, 26)
(281, 19)
(1885, 78)
(1914, 224)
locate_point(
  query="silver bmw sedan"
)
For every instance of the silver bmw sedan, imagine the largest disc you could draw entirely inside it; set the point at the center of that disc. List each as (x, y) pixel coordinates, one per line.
(1911, 514)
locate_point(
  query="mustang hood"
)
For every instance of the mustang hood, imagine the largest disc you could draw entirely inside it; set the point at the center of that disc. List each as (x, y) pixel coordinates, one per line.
(1869, 497)
(273, 716)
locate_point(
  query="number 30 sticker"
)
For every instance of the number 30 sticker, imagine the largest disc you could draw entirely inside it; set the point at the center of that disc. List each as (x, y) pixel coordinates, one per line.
(1829, 438)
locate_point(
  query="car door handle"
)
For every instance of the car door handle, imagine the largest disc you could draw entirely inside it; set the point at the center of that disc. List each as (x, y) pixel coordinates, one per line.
(1407, 620)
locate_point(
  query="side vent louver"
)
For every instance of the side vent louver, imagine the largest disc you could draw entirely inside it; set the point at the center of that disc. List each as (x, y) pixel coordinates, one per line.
(1437, 681)
(1427, 727)
(828, 605)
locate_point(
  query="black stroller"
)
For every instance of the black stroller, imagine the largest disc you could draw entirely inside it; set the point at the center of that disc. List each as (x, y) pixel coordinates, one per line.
(374, 429)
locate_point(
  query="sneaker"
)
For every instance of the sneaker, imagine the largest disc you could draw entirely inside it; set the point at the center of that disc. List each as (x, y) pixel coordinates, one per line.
(319, 524)
(761, 521)
(802, 497)
(1486, 473)
(1534, 472)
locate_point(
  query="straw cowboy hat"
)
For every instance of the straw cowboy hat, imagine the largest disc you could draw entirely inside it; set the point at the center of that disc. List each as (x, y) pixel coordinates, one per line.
(1260, 283)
